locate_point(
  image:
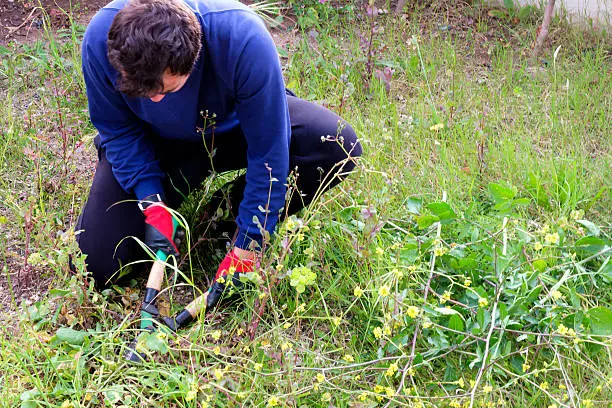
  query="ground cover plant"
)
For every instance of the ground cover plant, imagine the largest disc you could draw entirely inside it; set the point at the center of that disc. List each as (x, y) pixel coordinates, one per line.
(465, 263)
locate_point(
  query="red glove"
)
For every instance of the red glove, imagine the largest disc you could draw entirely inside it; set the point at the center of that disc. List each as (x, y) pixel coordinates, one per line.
(160, 229)
(231, 268)
(232, 263)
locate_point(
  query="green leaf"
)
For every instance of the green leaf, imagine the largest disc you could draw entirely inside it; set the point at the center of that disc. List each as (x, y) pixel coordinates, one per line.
(446, 311)
(601, 321)
(70, 336)
(539, 265)
(500, 193)
(414, 205)
(590, 245)
(155, 341)
(593, 229)
(442, 210)
(456, 323)
(425, 221)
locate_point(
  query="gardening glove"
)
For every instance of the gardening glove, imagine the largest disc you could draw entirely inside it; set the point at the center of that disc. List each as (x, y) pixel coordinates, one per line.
(160, 226)
(233, 272)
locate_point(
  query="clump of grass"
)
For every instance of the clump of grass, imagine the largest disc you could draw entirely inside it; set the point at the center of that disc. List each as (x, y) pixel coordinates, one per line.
(466, 263)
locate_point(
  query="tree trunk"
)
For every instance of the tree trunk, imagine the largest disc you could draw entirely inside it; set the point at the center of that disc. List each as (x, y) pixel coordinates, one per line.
(548, 12)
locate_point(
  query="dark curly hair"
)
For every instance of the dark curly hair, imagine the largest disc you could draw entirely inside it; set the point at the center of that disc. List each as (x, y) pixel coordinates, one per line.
(150, 37)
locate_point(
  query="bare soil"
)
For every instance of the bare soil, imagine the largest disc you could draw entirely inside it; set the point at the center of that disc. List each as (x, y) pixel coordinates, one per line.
(23, 20)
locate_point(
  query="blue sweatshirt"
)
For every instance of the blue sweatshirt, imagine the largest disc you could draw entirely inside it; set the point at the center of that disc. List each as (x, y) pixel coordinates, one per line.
(237, 77)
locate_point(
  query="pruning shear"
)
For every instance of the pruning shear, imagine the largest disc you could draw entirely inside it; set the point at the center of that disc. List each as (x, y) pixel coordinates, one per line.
(150, 318)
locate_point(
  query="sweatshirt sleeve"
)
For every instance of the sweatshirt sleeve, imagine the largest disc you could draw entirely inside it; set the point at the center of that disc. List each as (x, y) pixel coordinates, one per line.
(261, 105)
(122, 135)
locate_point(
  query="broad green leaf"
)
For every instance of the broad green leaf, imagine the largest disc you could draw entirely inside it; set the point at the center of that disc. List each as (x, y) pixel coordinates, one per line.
(601, 321)
(70, 336)
(521, 201)
(414, 205)
(442, 210)
(156, 342)
(500, 193)
(446, 311)
(590, 245)
(455, 322)
(593, 229)
(425, 221)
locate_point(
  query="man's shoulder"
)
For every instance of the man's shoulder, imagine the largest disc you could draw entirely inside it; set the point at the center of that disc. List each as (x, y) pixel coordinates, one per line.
(208, 7)
(97, 29)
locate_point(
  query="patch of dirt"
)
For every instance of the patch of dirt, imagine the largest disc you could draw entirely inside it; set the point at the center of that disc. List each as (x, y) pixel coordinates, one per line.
(23, 20)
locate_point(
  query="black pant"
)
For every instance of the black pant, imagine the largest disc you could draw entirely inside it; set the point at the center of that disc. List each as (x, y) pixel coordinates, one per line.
(111, 215)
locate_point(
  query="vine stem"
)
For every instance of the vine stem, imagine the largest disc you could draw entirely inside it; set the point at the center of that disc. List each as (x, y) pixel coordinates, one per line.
(495, 303)
(417, 327)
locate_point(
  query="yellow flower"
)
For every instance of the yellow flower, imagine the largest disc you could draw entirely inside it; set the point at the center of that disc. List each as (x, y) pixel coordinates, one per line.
(286, 325)
(363, 396)
(286, 346)
(320, 377)
(378, 389)
(258, 366)
(445, 296)
(216, 335)
(526, 367)
(273, 402)
(461, 383)
(411, 371)
(240, 331)
(389, 391)
(358, 292)
(379, 251)
(454, 404)
(391, 370)
(551, 239)
(336, 320)
(544, 385)
(413, 311)
(587, 403)
(562, 387)
(427, 324)
(326, 397)
(556, 295)
(467, 282)
(377, 332)
(440, 251)
(217, 350)
(190, 396)
(562, 330)
(384, 291)
(577, 214)
(67, 404)
(487, 388)
(483, 302)
(538, 246)
(348, 358)
(437, 127)
(218, 374)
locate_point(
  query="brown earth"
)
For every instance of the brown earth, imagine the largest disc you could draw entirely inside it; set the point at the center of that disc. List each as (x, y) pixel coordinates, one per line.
(23, 20)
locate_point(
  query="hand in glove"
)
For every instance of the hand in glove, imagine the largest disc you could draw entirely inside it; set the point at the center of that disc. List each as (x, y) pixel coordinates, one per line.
(236, 264)
(160, 226)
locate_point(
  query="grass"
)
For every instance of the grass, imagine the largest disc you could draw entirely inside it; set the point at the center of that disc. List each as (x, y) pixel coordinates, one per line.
(466, 263)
